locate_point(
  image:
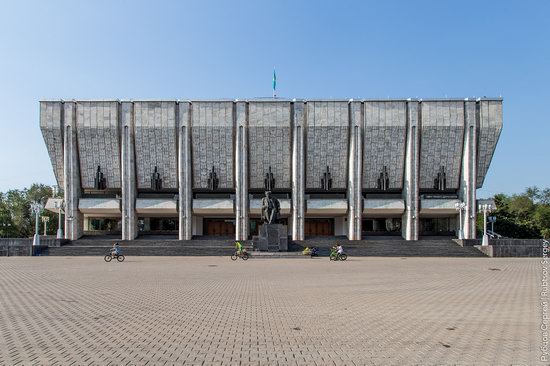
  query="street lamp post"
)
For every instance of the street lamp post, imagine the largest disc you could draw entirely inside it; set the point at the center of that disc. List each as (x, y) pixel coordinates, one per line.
(5, 228)
(59, 206)
(36, 208)
(485, 208)
(45, 220)
(460, 206)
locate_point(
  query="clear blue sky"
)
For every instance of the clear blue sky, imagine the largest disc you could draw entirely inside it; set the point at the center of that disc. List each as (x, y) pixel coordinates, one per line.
(336, 49)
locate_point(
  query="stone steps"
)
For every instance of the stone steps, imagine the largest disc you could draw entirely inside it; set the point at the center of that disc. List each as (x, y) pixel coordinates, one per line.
(225, 247)
(156, 247)
(393, 248)
(140, 251)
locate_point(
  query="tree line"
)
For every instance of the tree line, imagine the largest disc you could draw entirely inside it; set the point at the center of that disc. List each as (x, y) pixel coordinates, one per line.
(523, 216)
(16, 218)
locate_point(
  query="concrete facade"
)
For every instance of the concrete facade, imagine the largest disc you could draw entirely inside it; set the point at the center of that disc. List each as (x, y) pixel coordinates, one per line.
(405, 160)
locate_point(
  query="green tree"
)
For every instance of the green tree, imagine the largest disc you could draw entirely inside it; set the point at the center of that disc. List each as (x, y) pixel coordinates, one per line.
(544, 196)
(542, 217)
(15, 211)
(525, 215)
(7, 227)
(522, 206)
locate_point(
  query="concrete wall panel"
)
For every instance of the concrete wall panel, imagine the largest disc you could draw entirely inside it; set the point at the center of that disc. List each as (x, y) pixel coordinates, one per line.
(98, 135)
(212, 142)
(490, 126)
(269, 143)
(156, 142)
(327, 143)
(51, 125)
(441, 141)
(385, 134)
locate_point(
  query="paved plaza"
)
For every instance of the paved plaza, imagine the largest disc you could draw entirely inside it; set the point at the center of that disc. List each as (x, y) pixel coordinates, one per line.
(212, 311)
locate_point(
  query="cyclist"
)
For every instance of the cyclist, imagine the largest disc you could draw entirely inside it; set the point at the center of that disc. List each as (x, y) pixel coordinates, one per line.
(115, 251)
(238, 247)
(340, 249)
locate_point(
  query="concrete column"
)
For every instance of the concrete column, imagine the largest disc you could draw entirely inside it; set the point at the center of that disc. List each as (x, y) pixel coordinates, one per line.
(128, 167)
(184, 171)
(468, 182)
(74, 220)
(298, 171)
(241, 172)
(355, 170)
(410, 187)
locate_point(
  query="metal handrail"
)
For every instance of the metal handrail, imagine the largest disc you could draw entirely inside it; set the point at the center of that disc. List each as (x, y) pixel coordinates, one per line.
(494, 235)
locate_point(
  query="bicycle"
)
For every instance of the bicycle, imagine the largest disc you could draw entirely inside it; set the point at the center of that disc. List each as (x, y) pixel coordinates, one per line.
(109, 257)
(335, 256)
(243, 255)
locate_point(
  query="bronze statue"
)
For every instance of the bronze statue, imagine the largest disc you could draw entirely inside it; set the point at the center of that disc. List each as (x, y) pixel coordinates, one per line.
(270, 209)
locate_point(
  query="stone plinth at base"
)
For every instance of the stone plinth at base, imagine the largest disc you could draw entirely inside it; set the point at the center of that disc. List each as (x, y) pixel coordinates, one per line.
(272, 238)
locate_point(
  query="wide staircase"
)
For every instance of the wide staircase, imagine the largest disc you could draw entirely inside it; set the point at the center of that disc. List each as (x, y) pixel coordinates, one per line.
(391, 247)
(376, 247)
(143, 247)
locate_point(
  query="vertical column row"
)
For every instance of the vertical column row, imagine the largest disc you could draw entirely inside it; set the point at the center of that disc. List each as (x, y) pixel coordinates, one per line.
(468, 182)
(355, 196)
(184, 171)
(410, 186)
(74, 220)
(128, 166)
(298, 171)
(241, 172)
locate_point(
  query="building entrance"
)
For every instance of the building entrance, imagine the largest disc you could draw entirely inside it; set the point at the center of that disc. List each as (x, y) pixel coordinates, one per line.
(103, 226)
(158, 225)
(382, 226)
(319, 227)
(219, 227)
(445, 226)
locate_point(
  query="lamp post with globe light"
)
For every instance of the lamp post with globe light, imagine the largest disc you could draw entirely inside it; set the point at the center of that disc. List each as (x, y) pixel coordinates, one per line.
(45, 220)
(6, 227)
(58, 204)
(485, 208)
(36, 208)
(460, 206)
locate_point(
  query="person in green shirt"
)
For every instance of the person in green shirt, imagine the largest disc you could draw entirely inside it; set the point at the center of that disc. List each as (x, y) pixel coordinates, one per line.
(238, 247)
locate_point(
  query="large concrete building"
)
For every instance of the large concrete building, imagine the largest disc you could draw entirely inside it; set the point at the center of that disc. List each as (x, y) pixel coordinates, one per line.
(339, 167)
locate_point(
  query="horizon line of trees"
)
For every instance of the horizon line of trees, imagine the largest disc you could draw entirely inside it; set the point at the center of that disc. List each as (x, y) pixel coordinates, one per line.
(523, 216)
(16, 218)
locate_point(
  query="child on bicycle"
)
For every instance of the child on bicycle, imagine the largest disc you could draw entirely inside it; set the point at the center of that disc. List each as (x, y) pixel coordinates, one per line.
(238, 247)
(115, 251)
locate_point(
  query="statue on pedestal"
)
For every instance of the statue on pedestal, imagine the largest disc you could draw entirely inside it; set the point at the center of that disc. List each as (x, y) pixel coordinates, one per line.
(272, 235)
(270, 209)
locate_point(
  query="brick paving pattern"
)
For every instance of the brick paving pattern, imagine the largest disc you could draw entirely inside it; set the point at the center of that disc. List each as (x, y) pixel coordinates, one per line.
(212, 311)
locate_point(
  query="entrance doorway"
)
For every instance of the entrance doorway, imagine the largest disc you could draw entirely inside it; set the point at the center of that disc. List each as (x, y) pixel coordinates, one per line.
(382, 226)
(158, 225)
(444, 226)
(219, 227)
(319, 227)
(102, 226)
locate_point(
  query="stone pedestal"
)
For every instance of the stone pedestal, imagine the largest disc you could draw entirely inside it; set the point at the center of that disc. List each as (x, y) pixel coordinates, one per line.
(272, 238)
